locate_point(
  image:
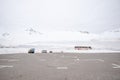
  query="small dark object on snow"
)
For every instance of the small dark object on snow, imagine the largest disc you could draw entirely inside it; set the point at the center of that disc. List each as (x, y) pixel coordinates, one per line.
(32, 50)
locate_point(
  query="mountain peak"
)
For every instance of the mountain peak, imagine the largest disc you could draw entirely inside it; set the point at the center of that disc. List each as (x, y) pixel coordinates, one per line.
(5, 34)
(32, 31)
(84, 32)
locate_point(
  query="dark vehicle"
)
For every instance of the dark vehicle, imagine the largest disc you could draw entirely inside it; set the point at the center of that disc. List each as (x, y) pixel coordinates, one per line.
(32, 50)
(44, 51)
(50, 51)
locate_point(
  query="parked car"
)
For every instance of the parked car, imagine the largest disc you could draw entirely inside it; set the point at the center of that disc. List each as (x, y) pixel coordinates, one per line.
(44, 51)
(50, 51)
(32, 50)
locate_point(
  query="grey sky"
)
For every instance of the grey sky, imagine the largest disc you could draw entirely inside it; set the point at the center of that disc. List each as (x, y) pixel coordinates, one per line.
(87, 15)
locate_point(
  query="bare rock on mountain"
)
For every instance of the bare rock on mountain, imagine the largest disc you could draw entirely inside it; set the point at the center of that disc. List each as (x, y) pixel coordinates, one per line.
(84, 32)
(32, 31)
(5, 34)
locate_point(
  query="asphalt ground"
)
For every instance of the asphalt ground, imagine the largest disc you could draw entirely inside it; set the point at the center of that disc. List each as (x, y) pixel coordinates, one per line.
(60, 66)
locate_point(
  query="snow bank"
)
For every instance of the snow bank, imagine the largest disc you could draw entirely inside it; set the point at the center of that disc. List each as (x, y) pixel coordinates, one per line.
(38, 50)
(13, 50)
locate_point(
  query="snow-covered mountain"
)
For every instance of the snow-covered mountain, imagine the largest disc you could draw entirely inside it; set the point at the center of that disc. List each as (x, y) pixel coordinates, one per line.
(110, 35)
(21, 37)
(33, 37)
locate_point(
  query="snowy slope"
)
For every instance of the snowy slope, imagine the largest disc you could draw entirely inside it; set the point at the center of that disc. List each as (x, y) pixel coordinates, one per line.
(61, 40)
(31, 35)
(110, 35)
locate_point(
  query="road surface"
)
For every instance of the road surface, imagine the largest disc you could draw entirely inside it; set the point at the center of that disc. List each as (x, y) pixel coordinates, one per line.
(60, 66)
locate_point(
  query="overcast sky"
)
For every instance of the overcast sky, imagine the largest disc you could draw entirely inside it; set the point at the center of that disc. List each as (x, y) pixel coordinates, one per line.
(95, 16)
